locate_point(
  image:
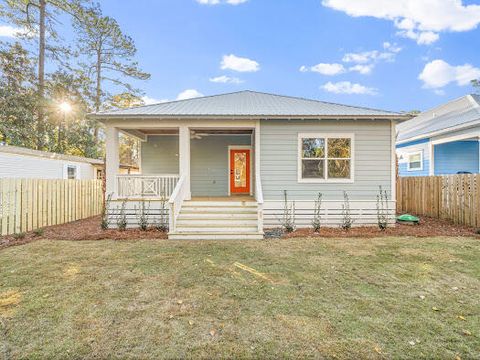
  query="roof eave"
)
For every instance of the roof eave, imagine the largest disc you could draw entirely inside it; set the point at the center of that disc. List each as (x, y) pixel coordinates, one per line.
(105, 117)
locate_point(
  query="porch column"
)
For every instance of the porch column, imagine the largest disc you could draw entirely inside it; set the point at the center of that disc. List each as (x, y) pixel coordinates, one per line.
(112, 160)
(184, 157)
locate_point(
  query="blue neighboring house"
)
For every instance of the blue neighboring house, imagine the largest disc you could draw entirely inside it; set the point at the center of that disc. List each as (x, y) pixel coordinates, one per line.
(441, 141)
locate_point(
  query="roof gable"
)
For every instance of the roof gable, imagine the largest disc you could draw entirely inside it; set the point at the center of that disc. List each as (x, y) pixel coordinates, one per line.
(246, 103)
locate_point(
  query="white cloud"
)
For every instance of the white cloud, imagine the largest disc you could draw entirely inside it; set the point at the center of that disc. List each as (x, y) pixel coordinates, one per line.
(236, 63)
(369, 56)
(226, 80)
(189, 94)
(364, 62)
(217, 2)
(419, 20)
(346, 87)
(362, 69)
(149, 100)
(438, 73)
(325, 69)
(9, 31)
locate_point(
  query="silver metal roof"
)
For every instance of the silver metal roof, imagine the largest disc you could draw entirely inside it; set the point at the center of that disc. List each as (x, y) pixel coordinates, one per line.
(454, 115)
(246, 103)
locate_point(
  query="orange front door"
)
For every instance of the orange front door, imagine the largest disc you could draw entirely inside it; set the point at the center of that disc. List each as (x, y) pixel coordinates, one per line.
(240, 171)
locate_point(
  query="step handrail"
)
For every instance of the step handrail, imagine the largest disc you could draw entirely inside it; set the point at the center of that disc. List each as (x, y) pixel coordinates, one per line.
(259, 198)
(176, 201)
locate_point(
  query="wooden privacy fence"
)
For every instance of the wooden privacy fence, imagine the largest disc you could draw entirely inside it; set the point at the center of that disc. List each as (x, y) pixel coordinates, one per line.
(453, 197)
(29, 204)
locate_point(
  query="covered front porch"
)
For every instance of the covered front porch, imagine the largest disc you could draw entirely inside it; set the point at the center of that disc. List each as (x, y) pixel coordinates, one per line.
(196, 161)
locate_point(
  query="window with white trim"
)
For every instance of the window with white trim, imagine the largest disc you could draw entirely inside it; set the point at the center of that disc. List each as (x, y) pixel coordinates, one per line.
(71, 172)
(415, 161)
(325, 158)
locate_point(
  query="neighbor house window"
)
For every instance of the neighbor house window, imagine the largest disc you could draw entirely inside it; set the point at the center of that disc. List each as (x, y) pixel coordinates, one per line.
(415, 161)
(325, 158)
(71, 172)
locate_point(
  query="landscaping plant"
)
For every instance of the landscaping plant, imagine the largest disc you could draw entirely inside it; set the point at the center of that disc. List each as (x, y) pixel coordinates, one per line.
(122, 217)
(288, 219)
(382, 209)
(162, 224)
(105, 221)
(142, 215)
(317, 217)
(347, 220)
(38, 232)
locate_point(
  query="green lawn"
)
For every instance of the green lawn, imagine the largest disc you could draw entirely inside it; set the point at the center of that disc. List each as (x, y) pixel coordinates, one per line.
(343, 298)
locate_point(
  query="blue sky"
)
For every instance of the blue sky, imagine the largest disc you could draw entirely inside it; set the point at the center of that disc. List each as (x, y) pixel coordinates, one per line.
(394, 55)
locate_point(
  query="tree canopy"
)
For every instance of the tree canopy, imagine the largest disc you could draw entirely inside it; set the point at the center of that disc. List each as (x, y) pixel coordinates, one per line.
(92, 72)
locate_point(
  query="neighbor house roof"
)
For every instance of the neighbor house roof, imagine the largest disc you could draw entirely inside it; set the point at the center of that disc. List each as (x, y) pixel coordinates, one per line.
(247, 104)
(455, 115)
(17, 150)
(49, 155)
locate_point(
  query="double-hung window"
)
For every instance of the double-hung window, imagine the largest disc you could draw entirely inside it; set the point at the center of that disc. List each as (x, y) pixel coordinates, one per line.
(325, 157)
(415, 161)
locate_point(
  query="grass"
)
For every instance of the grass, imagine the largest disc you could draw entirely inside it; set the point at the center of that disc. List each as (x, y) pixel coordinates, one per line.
(342, 298)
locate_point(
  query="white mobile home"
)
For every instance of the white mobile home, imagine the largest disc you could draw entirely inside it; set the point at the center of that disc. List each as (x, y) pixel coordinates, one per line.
(19, 162)
(224, 162)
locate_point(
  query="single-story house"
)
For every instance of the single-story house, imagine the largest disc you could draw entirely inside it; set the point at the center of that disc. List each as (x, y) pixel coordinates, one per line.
(20, 162)
(441, 141)
(223, 163)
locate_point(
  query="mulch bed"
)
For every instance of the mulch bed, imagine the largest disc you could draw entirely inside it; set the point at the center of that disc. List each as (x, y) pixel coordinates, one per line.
(89, 229)
(86, 229)
(428, 227)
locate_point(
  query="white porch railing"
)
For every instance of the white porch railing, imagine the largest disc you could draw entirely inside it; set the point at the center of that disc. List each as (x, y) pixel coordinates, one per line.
(259, 198)
(146, 186)
(175, 202)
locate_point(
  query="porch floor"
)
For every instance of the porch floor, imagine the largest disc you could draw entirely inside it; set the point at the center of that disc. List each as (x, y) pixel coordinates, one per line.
(224, 198)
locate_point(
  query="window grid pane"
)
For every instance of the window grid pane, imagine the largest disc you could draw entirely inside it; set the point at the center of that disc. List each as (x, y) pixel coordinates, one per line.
(326, 158)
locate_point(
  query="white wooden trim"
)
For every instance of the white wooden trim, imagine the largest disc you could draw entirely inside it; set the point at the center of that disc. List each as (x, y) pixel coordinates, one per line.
(393, 154)
(112, 160)
(473, 136)
(421, 160)
(149, 123)
(431, 168)
(184, 159)
(239, 147)
(326, 136)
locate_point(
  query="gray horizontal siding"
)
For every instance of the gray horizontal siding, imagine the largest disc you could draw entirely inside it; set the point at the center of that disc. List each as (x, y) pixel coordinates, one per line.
(279, 151)
(209, 164)
(160, 155)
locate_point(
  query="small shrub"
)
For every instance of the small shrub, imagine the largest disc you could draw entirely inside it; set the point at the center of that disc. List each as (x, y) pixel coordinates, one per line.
(106, 207)
(19, 236)
(162, 223)
(288, 219)
(478, 231)
(38, 232)
(347, 220)
(122, 217)
(142, 215)
(317, 217)
(382, 209)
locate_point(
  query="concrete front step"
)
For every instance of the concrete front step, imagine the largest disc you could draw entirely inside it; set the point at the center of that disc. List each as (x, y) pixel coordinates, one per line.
(215, 236)
(193, 215)
(220, 229)
(217, 220)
